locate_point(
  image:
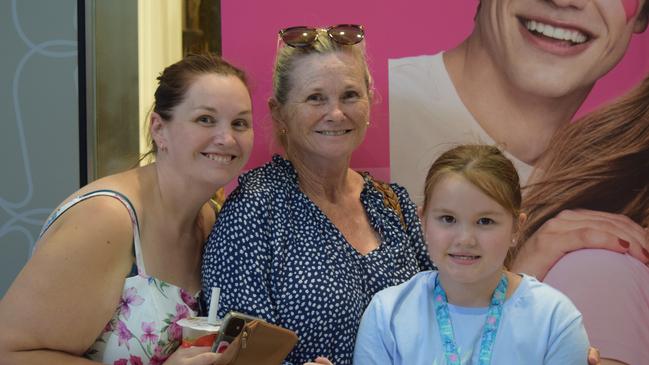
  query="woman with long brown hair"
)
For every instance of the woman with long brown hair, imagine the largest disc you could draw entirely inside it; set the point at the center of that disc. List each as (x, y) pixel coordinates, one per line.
(591, 187)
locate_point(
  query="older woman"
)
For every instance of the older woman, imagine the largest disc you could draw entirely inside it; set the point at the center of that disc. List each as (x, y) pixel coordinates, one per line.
(305, 241)
(118, 263)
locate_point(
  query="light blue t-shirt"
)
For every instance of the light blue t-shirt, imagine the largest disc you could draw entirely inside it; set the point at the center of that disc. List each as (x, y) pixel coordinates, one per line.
(539, 325)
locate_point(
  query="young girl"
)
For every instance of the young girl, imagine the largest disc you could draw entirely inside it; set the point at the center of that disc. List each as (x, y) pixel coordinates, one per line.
(471, 311)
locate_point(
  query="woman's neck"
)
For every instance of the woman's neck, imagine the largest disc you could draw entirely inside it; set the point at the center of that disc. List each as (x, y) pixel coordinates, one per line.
(330, 181)
(174, 200)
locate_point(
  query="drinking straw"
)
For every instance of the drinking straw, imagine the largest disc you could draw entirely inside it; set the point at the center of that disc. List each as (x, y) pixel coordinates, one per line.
(214, 306)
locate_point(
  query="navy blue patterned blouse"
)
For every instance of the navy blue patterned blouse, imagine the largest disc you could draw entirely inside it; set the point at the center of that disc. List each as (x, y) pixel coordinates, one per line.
(274, 254)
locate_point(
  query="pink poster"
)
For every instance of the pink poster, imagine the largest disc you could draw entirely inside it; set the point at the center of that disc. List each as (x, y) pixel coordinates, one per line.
(393, 30)
(400, 140)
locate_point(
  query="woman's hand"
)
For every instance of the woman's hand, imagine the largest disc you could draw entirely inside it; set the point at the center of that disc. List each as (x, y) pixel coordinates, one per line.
(203, 355)
(320, 360)
(194, 356)
(572, 230)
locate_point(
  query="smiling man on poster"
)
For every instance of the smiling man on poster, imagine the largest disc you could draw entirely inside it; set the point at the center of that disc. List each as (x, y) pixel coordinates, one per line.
(525, 69)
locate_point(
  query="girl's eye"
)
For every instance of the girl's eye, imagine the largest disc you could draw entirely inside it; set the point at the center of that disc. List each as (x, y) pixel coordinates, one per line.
(447, 219)
(485, 221)
(240, 124)
(205, 119)
(315, 98)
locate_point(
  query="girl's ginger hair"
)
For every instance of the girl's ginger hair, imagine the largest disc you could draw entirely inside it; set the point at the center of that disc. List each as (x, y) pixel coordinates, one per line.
(600, 162)
(484, 166)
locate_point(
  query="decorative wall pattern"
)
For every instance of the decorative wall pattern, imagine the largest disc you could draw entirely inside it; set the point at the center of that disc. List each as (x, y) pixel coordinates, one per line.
(38, 122)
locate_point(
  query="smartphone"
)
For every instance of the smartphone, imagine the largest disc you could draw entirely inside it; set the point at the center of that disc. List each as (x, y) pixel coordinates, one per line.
(230, 328)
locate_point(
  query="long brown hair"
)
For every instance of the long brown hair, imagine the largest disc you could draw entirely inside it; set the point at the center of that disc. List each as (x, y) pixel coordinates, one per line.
(600, 162)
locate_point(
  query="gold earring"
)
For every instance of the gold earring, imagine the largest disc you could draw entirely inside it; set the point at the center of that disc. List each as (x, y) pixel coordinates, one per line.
(283, 131)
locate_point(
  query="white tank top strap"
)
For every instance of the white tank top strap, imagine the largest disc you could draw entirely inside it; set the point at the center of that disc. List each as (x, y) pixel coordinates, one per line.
(114, 194)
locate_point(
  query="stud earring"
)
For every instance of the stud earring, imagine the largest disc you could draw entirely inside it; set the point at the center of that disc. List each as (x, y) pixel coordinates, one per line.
(283, 131)
(367, 123)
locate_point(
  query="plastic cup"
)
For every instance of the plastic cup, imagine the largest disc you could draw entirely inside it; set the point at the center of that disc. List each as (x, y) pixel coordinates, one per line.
(197, 332)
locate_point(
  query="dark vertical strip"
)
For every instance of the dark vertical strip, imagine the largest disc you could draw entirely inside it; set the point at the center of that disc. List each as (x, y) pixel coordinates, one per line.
(83, 117)
(209, 21)
(219, 48)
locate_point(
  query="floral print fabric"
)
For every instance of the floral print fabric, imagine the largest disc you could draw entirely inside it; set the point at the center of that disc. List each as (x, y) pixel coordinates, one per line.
(144, 328)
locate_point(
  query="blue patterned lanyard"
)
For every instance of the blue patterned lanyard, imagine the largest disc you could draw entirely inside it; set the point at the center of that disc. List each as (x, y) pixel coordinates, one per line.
(489, 329)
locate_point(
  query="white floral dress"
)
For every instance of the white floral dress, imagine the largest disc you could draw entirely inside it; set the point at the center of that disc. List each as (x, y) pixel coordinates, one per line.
(144, 328)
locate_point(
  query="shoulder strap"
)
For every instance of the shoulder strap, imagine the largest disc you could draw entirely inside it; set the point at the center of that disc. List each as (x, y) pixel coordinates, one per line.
(390, 198)
(104, 192)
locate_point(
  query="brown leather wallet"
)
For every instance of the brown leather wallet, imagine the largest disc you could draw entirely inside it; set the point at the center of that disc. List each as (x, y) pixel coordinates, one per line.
(263, 343)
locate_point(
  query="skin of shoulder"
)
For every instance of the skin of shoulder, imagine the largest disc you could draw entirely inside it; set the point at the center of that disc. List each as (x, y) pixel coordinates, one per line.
(72, 284)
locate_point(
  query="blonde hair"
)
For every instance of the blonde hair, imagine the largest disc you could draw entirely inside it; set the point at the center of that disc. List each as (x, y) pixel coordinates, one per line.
(287, 56)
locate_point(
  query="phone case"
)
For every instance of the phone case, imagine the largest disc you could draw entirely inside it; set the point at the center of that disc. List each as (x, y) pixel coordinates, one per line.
(264, 343)
(224, 335)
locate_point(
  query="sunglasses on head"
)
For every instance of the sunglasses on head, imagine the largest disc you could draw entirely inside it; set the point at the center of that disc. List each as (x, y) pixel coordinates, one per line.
(301, 36)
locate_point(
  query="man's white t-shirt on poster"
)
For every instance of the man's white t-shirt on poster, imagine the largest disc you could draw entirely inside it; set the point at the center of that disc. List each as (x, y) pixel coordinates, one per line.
(427, 118)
